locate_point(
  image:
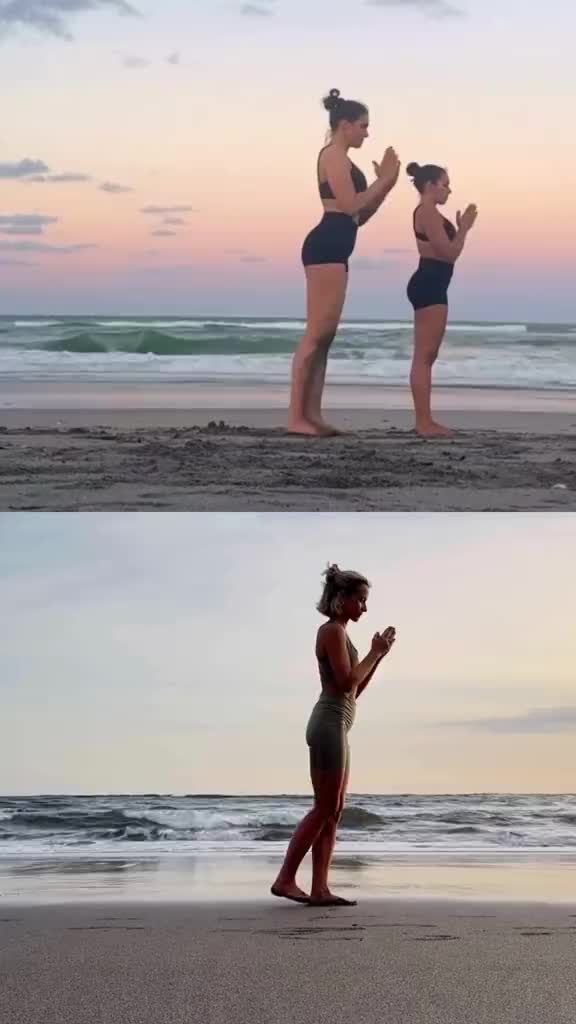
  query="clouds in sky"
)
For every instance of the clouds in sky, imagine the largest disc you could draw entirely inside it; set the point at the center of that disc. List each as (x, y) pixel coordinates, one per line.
(167, 219)
(258, 10)
(52, 16)
(38, 173)
(59, 179)
(22, 168)
(113, 188)
(436, 8)
(166, 211)
(542, 720)
(134, 62)
(45, 247)
(25, 223)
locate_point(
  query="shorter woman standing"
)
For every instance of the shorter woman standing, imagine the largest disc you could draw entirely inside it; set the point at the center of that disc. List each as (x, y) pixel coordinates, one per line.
(439, 245)
(343, 678)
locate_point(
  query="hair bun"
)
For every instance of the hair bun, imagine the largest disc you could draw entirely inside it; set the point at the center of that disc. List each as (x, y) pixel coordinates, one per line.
(412, 169)
(332, 571)
(333, 99)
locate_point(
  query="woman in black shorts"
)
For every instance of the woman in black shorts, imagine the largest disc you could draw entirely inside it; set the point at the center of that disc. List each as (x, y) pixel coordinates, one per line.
(348, 202)
(439, 245)
(343, 677)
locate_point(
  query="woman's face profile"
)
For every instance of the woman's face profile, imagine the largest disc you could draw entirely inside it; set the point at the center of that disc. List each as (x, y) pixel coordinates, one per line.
(354, 605)
(357, 131)
(441, 189)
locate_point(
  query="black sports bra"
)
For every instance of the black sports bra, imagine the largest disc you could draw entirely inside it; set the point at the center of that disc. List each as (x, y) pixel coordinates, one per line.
(358, 180)
(448, 227)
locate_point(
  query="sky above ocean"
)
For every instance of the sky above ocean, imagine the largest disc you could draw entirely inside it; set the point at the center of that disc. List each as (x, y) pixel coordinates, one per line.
(154, 652)
(160, 157)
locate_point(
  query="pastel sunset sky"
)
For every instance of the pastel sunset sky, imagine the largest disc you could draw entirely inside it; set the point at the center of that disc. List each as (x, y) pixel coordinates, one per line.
(159, 157)
(167, 652)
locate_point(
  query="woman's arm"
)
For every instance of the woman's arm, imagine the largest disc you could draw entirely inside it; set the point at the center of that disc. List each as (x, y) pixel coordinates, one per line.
(365, 681)
(337, 170)
(369, 211)
(431, 221)
(347, 678)
(386, 640)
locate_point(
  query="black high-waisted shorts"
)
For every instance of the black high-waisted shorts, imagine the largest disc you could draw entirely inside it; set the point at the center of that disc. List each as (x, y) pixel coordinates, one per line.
(331, 241)
(429, 285)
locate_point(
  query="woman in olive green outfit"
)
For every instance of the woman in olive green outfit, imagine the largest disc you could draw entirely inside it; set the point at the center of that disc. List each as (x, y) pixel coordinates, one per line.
(343, 678)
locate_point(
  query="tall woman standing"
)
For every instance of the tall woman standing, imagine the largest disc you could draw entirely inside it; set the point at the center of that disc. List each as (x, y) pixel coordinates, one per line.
(348, 202)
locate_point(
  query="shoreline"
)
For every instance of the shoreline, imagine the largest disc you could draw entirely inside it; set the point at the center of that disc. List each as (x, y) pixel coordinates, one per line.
(187, 878)
(90, 394)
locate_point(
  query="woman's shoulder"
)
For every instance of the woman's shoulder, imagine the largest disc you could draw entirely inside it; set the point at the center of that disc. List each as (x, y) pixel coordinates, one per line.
(329, 628)
(333, 154)
(428, 211)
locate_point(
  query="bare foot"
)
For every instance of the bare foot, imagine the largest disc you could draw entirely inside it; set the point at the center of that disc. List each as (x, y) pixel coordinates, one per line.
(329, 430)
(312, 428)
(289, 891)
(329, 899)
(433, 429)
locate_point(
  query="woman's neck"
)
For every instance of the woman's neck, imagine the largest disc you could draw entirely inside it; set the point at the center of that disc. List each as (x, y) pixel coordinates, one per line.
(340, 144)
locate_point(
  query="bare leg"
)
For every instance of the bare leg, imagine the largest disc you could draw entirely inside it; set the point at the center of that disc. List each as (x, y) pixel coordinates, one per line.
(429, 328)
(327, 788)
(323, 848)
(317, 389)
(326, 291)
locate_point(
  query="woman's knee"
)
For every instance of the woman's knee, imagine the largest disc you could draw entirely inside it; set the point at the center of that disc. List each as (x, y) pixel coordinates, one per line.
(322, 334)
(328, 809)
(425, 357)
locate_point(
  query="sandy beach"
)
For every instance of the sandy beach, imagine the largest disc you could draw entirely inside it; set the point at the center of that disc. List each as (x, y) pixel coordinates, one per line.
(401, 962)
(69, 448)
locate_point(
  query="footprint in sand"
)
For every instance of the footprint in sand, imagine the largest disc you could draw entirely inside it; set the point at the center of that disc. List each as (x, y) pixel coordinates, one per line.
(323, 938)
(106, 928)
(239, 919)
(535, 935)
(298, 932)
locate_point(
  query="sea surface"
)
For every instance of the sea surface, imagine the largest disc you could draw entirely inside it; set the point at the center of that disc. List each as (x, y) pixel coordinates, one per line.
(252, 349)
(161, 826)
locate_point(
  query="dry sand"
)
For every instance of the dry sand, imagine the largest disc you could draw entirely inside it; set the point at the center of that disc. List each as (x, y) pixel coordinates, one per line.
(68, 445)
(393, 962)
(234, 460)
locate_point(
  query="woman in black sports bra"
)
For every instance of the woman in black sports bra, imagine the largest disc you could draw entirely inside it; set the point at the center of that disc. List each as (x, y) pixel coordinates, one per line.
(348, 202)
(439, 245)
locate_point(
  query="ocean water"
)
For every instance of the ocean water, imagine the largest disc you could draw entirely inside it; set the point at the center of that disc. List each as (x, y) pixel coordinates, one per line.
(505, 355)
(378, 826)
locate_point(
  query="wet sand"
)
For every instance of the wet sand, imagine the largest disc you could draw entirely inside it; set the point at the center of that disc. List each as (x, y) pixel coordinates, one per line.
(417, 962)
